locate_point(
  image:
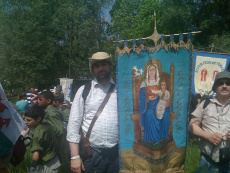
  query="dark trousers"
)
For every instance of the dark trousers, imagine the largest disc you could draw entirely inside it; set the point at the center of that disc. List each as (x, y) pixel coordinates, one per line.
(103, 161)
(208, 165)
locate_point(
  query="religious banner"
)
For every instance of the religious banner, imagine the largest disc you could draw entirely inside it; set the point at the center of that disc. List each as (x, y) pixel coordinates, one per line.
(206, 67)
(11, 125)
(67, 85)
(153, 98)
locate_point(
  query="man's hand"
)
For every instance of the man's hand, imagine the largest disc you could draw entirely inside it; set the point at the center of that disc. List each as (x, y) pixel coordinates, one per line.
(26, 132)
(215, 138)
(77, 166)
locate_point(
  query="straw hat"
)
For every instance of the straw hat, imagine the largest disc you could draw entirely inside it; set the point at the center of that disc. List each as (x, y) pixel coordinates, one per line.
(99, 56)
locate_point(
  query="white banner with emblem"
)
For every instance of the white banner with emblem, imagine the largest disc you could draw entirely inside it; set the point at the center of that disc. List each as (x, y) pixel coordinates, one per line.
(205, 71)
(67, 85)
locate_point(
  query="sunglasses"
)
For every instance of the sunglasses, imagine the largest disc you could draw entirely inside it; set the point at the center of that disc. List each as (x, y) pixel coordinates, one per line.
(220, 83)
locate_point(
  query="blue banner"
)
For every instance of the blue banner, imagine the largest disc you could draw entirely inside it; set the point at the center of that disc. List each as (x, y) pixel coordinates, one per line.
(153, 96)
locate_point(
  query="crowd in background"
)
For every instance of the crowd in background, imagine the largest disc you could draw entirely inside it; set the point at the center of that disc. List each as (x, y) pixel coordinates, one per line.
(46, 115)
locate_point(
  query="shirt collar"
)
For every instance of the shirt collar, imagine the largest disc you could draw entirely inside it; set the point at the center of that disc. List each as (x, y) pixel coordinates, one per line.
(96, 83)
(214, 100)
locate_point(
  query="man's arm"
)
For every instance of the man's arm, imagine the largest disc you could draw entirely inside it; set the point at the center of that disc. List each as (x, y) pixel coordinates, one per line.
(194, 127)
(73, 130)
(34, 96)
(33, 166)
(76, 164)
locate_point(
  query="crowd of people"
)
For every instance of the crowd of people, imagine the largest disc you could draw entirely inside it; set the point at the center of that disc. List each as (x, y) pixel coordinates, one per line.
(46, 116)
(57, 132)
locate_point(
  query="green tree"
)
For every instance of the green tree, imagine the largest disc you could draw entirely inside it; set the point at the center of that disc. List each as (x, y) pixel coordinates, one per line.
(134, 19)
(213, 19)
(41, 41)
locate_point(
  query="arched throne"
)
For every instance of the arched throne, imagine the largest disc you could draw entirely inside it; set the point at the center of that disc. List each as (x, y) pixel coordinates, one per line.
(139, 148)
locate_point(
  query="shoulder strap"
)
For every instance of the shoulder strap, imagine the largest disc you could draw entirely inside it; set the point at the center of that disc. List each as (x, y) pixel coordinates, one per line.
(86, 90)
(100, 109)
(206, 102)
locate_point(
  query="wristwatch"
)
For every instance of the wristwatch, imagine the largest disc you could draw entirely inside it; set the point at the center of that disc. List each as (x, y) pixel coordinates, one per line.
(75, 157)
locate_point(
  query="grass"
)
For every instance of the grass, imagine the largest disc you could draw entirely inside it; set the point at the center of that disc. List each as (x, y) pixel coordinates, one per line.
(192, 157)
(191, 163)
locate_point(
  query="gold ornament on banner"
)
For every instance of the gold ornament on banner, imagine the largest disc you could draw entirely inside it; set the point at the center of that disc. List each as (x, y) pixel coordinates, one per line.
(155, 37)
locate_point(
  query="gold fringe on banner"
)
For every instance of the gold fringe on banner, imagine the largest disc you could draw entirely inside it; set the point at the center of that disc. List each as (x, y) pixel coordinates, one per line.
(162, 45)
(126, 50)
(138, 50)
(155, 37)
(181, 44)
(173, 45)
(165, 46)
(119, 51)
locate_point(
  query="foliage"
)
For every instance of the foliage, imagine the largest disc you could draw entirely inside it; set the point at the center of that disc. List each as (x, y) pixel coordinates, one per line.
(134, 19)
(41, 41)
(213, 18)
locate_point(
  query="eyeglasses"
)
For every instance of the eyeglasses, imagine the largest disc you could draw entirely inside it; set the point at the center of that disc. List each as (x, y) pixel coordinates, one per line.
(220, 83)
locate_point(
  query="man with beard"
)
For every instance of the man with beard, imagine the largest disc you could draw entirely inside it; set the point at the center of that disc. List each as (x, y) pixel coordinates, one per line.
(103, 138)
(211, 122)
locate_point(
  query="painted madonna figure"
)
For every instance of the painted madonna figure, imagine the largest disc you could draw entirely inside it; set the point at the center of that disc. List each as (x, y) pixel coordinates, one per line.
(154, 128)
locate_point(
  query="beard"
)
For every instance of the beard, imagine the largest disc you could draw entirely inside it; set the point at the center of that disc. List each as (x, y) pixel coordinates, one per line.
(102, 76)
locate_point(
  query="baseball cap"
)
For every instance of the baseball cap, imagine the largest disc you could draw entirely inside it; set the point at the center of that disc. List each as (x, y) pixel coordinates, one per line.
(221, 75)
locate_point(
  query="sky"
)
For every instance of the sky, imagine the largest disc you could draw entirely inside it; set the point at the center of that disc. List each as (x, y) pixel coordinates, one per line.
(106, 12)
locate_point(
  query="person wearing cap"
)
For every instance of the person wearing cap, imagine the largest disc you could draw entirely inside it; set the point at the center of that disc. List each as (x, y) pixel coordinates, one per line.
(104, 135)
(211, 124)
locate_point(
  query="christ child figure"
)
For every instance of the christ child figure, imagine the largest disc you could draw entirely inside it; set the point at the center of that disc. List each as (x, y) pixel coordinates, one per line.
(163, 101)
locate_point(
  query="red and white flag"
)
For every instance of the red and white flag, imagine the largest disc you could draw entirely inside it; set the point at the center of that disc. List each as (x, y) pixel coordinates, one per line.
(11, 125)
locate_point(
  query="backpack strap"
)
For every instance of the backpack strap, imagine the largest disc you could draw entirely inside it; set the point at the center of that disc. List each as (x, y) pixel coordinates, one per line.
(100, 109)
(206, 102)
(86, 90)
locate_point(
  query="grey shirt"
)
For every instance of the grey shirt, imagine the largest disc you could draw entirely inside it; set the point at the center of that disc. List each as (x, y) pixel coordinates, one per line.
(214, 118)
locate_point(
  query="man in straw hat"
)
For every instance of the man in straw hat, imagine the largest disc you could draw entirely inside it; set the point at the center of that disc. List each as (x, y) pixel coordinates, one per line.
(212, 124)
(103, 137)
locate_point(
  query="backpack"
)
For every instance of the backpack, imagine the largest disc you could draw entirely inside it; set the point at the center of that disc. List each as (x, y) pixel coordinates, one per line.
(207, 101)
(19, 150)
(86, 90)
